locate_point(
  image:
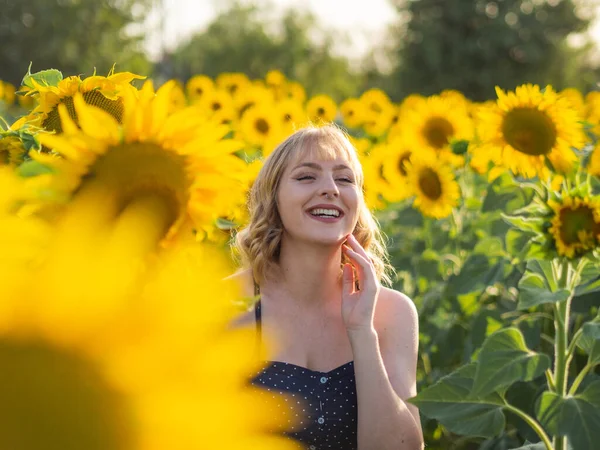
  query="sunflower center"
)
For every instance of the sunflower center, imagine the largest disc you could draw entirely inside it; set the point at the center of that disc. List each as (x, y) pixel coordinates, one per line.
(216, 106)
(575, 221)
(430, 184)
(320, 111)
(404, 157)
(94, 98)
(4, 156)
(437, 132)
(60, 396)
(529, 131)
(287, 118)
(135, 172)
(262, 126)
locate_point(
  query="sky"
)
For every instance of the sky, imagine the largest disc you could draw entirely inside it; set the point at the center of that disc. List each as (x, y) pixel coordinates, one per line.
(366, 19)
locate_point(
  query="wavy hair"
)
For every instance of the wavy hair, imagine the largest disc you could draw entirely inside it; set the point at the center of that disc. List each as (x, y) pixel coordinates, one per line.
(258, 243)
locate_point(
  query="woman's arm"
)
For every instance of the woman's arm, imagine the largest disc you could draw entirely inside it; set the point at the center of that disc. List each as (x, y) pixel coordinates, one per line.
(385, 369)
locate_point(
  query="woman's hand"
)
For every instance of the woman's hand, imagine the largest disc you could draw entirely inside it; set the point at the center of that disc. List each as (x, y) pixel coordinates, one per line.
(358, 305)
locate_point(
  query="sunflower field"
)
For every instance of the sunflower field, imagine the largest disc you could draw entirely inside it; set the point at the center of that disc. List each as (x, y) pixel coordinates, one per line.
(118, 201)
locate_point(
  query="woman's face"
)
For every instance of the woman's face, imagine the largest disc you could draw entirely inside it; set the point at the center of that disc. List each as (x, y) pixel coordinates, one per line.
(318, 200)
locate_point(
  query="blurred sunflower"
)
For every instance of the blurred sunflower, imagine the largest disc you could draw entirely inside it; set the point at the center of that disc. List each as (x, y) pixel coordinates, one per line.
(179, 162)
(254, 95)
(321, 109)
(178, 98)
(7, 93)
(434, 186)
(276, 80)
(377, 188)
(260, 126)
(105, 93)
(352, 112)
(12, 150)
(575, 99)
(234, 83)
(292, 115)
(162, 370)
(434, 122)
(197, 86)
(294, 91)
(397, 154)
(575, 226)
(594, 163)
(530, 129)
(217, 101)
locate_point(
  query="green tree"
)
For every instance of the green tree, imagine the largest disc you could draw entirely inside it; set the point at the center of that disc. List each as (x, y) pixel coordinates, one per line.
(473, 46)
(73, 36)
(242, 39)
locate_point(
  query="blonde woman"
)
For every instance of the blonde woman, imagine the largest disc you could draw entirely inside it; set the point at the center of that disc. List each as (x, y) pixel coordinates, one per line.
(346, 346)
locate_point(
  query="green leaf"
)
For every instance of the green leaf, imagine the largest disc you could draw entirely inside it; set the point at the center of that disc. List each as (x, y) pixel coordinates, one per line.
(448, 401)
(475, 275)
(33, 169)
(505, 359)
(527, 446)
(588, 287)
(590, 341)
(490, 246)
(49, 77)
(577, 417)
(534, 291)
(525, 224)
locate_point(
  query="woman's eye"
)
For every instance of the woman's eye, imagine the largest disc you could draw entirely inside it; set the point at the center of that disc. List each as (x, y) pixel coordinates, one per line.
(345, 180)
(305, 177)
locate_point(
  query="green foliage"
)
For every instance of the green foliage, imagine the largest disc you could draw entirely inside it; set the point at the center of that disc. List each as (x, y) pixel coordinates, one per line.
(242, 39)
(473, 46)
(72, 36)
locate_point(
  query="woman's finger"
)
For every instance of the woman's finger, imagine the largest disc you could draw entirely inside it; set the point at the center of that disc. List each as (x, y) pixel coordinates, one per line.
(355, 245)
(347, 280)
(364, 266)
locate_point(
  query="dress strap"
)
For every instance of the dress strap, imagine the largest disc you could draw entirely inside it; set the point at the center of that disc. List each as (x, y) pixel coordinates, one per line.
(258, 322)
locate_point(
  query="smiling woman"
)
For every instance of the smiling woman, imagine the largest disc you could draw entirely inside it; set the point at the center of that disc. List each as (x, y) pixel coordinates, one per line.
(346, 346)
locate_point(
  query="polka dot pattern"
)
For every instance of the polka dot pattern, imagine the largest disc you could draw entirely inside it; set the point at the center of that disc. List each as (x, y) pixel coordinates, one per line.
(322, 406)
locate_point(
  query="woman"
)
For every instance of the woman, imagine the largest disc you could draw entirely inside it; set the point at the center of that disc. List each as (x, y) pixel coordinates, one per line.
(347, 347)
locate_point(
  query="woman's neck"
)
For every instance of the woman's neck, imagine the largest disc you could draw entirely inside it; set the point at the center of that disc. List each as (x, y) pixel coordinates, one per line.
(307, 275)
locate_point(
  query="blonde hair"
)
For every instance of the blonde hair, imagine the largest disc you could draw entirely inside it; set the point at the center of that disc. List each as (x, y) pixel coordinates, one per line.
(259, 242)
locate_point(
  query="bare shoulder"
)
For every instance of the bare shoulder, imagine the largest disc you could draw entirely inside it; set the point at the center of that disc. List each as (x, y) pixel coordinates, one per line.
(395, 309)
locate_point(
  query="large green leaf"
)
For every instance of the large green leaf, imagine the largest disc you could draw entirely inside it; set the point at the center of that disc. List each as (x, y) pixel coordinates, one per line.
(475, 275)
(590, 341)
(577, 417)
(49, 77)
(449, 402)
(504, 359)
(538, 286)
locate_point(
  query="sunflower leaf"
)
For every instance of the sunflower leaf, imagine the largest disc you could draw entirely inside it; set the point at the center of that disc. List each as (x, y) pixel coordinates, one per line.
(577, 417)
(449, 402)
(590, 341)
(533, 291)
(526, 224)
(530, 446)
(49, 77)
(33, 168)
(505, 359)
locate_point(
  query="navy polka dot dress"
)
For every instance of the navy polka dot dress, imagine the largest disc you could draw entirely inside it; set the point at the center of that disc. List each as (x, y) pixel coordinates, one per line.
(322, 405)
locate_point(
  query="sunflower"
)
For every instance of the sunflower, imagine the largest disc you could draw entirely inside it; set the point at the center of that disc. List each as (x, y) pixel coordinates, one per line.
(321, 109)
(160, 369)
(217, 101)
(12, 150)
(292, 114)
(178, 160)
(575, 99)
(353, 113)
(275, 79)
(376, 186)
(254, 95)
(234, 83)
(434, 186)
(294, 91)
(7, 93)
(260, 126)
(529, 130)
(105, 93)
(397, 153)
(575, 227)
(594, 163)
(197, 86)
(434, 122)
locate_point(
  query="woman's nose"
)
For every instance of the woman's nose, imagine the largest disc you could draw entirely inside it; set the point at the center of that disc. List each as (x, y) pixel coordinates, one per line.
(330, 188)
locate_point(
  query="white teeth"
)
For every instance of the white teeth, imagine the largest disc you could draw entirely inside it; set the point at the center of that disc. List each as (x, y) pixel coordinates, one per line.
(325, 212)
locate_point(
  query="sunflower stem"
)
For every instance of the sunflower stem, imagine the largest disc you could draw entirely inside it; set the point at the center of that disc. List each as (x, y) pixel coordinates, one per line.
(561, 324)
(533, 424)
(580, 376)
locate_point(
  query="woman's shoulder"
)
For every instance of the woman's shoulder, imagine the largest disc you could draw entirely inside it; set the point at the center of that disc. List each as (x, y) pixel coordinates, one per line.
(394, 307)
